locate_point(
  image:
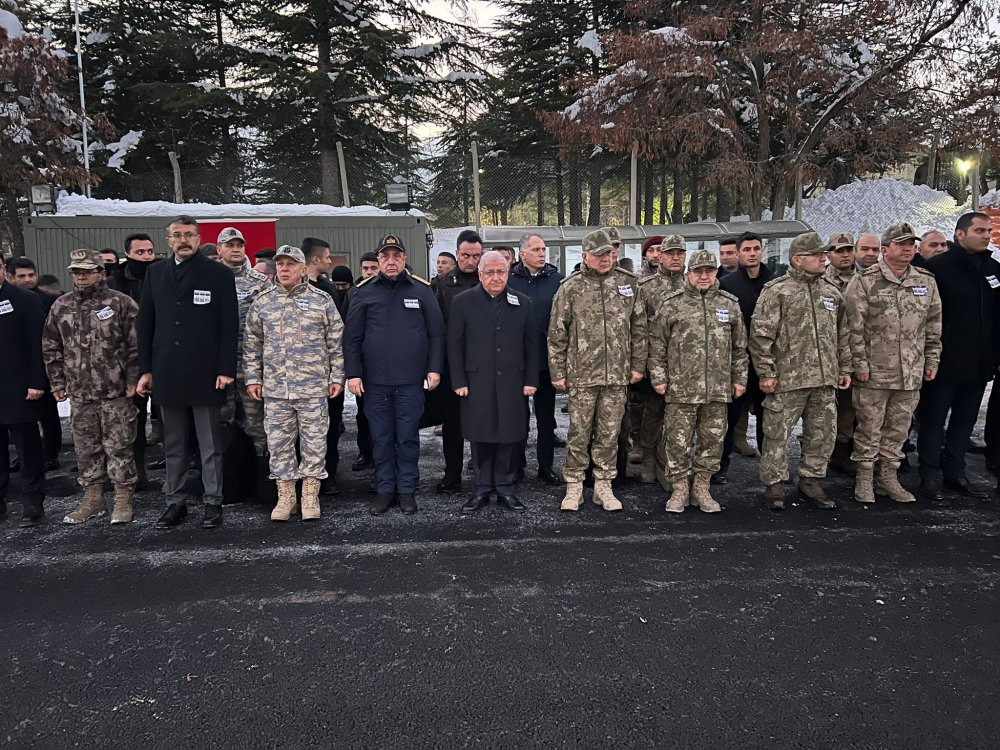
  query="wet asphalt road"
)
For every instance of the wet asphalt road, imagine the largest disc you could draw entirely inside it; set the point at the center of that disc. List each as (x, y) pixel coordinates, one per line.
(857, 627)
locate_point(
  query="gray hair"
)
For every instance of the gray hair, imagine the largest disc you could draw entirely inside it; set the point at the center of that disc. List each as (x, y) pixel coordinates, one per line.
(492, 255)
(523, 242)
(930, 232)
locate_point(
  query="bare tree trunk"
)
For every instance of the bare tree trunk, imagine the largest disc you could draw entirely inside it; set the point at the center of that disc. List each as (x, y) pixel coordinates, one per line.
(677, 208)
(560, 196)
(723, 206)
(594, 192)
(539, 199)
(649, 192)
(663, 192)
(575, 196)
(695, 197)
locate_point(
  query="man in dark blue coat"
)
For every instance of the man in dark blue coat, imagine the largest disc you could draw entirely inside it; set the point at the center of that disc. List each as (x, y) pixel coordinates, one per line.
(22, 385)
(393, 341)
(493, 355)
(188, 323)
(539, 280)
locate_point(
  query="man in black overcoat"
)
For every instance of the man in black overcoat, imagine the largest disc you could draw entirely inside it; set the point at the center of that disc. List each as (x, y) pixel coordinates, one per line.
(188, 322)
(22, 385)
(494, 359)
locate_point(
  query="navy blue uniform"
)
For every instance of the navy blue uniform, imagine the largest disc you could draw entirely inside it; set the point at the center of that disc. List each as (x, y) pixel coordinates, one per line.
(394, 336)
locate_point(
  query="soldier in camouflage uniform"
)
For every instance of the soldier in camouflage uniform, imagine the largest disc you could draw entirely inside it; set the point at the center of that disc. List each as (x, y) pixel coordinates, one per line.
(669, 278)
(840, 255)
(249, 285)
(798, 341)
(597, 347)
(894, 316)
(92, 357)
(294, 361)
(698, 361)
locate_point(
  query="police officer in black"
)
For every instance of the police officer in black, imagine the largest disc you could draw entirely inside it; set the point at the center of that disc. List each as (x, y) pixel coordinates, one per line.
(393, 341)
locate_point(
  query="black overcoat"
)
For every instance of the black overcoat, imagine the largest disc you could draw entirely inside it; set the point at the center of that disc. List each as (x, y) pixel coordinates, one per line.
(188, 326)
(493, 350)
(22, 319)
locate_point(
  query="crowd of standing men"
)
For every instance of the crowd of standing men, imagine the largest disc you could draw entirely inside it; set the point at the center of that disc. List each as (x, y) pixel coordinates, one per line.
(858, 340)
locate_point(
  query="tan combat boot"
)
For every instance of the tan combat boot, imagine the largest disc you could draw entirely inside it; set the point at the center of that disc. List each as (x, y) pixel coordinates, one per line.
(888, 484)
(92, 505)
(123, 505)
(605, 496)
(574, 496)
(863, 491)
(648, 474)
(310, 498)
(679, 493)
(702, 497)
(811, 491)
(287, 503)
(774, 496)
(740, 444)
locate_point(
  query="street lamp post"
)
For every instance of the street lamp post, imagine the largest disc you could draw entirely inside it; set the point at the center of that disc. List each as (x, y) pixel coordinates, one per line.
(83, 101)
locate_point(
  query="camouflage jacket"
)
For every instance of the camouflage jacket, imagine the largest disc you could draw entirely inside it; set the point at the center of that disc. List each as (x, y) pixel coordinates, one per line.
(656, 286)
(838, 278)
(293, 342)
(597, 331)
(895, 326)
(249, 285)
(90, 344)
(698, 346)
(799, 332)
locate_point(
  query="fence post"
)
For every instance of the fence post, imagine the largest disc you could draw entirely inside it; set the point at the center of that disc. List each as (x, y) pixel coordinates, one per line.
(343, 175)
(633, 190)
(974, 180)
(475, 185)
(178, 185)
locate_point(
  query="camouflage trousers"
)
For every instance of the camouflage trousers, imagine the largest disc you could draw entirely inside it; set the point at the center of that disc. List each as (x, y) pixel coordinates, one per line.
(845, 415)
(707, 423)
(651, 430)
(253, 412)
(103, 433)
(817, 408)
(594, 411)
(304, 421)
(883, 423)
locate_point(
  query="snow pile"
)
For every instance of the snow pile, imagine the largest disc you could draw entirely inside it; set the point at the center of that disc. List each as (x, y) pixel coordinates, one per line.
(11, 24)
(591, 41)
(78, 205)
(991, 199)
(121, 148)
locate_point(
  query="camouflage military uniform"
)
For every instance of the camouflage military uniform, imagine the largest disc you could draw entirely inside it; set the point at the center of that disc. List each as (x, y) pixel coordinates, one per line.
(249, 285)
(895, 334)
(91, 352)
(597, 337)
(293, 349)
(698, 348)
(798, 336)
(845, 405)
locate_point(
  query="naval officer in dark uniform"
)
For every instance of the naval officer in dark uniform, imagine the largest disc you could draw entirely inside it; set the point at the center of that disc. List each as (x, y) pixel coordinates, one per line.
(393, 341)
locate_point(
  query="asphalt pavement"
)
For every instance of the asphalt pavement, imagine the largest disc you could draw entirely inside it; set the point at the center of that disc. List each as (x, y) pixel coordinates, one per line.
(867, 627)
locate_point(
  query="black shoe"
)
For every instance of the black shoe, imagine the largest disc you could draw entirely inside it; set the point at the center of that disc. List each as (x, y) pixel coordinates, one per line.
(511, 502)
(446, 486)
(51, 464)
(548, 476)
(558, 442)
(361, 463)
(967, 489)
(476, 502)
(31, 515)
(328, 487)
(720, 477)
(407, 503)
(161, 464)
(173, 515)
(212, 517)
(382, 503)
(931, 489)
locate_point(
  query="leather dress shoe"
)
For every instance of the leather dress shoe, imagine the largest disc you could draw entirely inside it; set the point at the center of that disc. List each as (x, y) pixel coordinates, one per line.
(407, 503)
(931, 489)
(967, 489)
(361, 463)
(447, 485)
(31, 515)
(329, 487)
(51, 464)
(382, 503)
(511, 502)
(173, 515)
(548, 476)
(212, 517)
(476, 502)
(720, 477)
(558, 442)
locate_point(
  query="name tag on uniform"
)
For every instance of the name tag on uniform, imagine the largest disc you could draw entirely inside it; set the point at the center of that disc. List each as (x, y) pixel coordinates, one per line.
(413, 304)
(6, 307)
(993, 282)
(104, 313)
(829, 303)
(722, 315)
(625, 291)
(202, 297)
(919, 291)
(303, 304)
(512, 300)
(242, 294)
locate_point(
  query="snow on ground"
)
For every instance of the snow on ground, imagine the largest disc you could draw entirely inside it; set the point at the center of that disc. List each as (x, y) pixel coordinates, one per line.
(78, 205)
(11, 24)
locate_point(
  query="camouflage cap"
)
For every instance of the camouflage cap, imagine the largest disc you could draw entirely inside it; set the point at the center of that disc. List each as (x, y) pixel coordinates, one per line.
(229, 234)
(844, 239)
(85, 260)
(597, 242)
(613, 235)
(673, 241)
(807, 243)
(287, 251)
(703, 259)
(898, 232)
(390, 241)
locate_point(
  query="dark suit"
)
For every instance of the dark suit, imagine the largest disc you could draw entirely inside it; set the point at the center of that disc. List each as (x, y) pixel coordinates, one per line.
(188, 323)
(22, 319)
(493, 351)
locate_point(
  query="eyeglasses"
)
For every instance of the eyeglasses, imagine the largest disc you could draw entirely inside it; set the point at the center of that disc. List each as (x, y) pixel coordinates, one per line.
(703, 271)
(184, 236)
